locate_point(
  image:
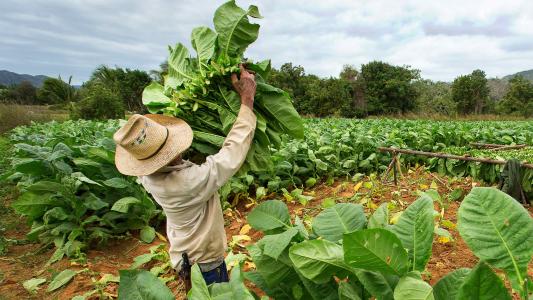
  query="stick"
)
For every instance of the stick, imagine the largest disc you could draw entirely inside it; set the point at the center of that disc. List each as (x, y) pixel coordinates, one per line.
(442, 155)
(440, 180)
(508, 147)
(482, 145)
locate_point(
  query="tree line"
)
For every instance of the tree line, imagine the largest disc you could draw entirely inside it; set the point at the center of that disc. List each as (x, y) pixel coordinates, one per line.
(380, 88)
(377, 88)
(107, 94)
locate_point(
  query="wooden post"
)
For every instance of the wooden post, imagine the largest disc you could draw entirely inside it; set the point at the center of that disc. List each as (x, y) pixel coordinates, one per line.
(394, 167)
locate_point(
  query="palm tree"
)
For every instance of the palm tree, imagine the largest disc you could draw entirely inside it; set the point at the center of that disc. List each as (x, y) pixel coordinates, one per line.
(56, 91)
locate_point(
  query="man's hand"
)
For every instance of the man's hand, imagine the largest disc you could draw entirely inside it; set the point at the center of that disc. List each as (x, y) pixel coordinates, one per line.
(245, 86)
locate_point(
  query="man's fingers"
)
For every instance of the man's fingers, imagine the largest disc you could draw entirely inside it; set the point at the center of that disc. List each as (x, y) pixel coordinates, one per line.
(234, 79)
(243, 69)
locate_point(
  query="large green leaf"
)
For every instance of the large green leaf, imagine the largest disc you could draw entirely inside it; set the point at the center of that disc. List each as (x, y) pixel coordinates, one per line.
(349, 291)
(123, 205)
(235, 289)
(375, 250)
(142, 285)
(498, 230)
(275, 244)
(147, 234)
(335, 221)
(153, 95)
(269, 215)
(179, 67)
(412, 287)
(415, 230)
(274, 272)
(234, 30)
(210, 138)
(482, 284)
(319, 260)
(276, 292)
(203, 40)
(380, 218)
(448, 286)
(322, 291)
(278, 104)
(377, 284)
(34, 205)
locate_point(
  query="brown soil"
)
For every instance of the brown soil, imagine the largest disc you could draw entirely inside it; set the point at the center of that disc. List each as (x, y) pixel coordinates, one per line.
(22, 263)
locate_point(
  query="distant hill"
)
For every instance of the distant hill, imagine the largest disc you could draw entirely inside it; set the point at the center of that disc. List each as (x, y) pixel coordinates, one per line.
(526, 74)
(11, 78)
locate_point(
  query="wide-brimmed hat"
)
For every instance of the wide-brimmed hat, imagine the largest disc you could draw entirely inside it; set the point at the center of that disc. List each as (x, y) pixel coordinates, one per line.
(147, 143)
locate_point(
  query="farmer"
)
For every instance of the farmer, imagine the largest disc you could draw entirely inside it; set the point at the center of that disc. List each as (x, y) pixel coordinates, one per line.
(151, 148)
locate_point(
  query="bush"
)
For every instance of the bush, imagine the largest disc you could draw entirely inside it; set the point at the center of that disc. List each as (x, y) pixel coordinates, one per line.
(98, 103)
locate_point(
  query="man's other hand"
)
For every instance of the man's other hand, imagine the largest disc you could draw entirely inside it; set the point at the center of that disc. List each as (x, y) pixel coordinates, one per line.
(245, 86)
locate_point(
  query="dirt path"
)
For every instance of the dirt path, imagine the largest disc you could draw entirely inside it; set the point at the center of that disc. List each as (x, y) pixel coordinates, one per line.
(22, 263)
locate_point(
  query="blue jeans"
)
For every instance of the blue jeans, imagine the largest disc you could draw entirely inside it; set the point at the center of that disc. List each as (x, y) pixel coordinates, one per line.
(218, 274)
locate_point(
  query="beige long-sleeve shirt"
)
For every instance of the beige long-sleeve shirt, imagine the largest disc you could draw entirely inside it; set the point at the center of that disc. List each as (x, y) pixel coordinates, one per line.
(188, 194)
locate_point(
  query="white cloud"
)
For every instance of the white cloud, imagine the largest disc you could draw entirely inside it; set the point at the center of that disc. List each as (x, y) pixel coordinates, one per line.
(441, 38)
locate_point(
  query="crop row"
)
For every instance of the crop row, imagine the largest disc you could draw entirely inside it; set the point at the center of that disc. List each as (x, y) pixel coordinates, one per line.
(75, 197)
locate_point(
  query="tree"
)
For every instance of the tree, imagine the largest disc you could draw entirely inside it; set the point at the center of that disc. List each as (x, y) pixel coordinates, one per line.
(292, 80)
(25, 93)
(128, 84)
(435, 98)
(98, 103)
(326, 97)
(56, 91)
(358, 106)
(470, 92)
(388, 88)
(519, 98)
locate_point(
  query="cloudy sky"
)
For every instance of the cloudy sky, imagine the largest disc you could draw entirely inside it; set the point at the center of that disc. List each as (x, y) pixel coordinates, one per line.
(441, 38)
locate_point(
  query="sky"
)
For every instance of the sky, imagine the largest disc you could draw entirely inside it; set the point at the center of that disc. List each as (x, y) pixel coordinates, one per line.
(443, 39)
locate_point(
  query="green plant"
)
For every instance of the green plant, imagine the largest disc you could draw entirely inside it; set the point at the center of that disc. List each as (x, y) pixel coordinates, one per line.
(198, 88)
(70, 190)
(98, 103)
(386, 262)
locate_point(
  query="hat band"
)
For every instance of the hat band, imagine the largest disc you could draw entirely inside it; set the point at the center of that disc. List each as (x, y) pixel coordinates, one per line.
(160, 147)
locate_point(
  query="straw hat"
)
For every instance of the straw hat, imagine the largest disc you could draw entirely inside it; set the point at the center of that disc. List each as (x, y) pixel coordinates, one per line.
(147, 143)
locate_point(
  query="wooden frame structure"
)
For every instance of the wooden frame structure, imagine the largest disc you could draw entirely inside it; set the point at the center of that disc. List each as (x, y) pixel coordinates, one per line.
(395, 163)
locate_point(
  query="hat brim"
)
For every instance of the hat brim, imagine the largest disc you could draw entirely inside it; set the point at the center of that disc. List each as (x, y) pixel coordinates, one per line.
(179, 139)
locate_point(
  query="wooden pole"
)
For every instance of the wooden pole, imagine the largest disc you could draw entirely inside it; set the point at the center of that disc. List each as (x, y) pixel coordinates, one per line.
(508, 147)
(482, 145)
(443, 155)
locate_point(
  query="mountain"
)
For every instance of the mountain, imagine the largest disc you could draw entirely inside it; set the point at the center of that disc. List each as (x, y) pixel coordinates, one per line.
(526, 74)
(10, 78)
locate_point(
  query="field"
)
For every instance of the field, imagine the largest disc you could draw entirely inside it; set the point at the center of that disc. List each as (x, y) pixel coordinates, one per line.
(72, 221)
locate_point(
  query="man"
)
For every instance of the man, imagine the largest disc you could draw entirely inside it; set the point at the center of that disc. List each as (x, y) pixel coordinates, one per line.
(150, 147)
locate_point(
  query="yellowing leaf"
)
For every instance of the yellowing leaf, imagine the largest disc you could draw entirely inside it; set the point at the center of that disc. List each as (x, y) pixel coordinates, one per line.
(249, 205)
(443, 239)
(423, 186)
(372, 205)
(358, 186)
(434, 185)
(245, 229)
(368, 185)
(161, 237)
(396, 217)
(242, 237)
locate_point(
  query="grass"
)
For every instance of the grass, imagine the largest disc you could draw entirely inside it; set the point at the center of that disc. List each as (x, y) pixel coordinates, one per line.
(13, 115)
